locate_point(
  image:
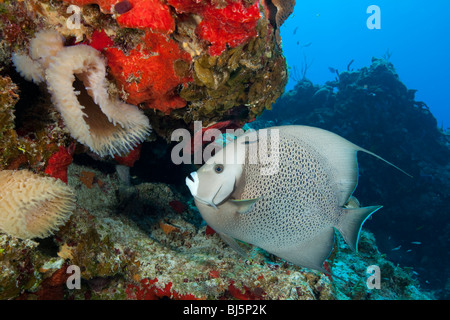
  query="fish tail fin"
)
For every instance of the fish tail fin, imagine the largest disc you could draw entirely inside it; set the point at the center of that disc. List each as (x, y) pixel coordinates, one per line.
(351, 223)
(382, 159)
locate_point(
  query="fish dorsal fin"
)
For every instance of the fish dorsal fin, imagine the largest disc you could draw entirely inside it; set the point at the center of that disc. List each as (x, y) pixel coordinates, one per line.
(339, 153)
(382, 159)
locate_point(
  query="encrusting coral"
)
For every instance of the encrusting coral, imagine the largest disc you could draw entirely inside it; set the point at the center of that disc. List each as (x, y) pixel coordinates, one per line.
(75, 77)
(138, 72)
(33, 206)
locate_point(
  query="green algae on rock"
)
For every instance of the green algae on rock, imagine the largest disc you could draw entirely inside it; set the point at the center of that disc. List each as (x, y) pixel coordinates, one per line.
(41, 132)
(251, 75)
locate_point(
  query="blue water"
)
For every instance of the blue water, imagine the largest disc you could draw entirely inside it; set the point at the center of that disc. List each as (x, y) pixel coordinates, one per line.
(331, 33)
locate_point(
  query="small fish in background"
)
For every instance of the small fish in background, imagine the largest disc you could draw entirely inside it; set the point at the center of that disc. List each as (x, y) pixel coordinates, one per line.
(304, 45)
(332, 70)
(295, 31)
(397, 248)
(292, 212)
(416, 242)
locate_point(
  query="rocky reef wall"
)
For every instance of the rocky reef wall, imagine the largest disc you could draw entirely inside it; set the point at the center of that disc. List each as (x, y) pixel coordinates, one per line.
(180, 61)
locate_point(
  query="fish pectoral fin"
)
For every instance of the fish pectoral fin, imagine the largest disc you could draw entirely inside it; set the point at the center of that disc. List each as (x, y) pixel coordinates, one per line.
(233, 244)
(244, 205)
(351, 223)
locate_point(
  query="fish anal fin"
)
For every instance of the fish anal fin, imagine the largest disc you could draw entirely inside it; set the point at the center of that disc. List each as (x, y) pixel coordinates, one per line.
(233, 244)
(313, 253)
(351, 223)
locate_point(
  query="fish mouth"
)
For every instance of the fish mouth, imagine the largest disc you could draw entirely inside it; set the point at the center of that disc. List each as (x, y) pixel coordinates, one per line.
(211, 203)
(192, 182)
(208, 203)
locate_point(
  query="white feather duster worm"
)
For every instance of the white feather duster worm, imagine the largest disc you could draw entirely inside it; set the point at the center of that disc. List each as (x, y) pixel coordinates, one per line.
(43, 46)
(32, 206)
(76, 80)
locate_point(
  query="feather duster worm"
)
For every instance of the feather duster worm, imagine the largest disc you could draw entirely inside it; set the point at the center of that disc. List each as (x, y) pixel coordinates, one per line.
(32, 206)
(43, 46)
(76, 79)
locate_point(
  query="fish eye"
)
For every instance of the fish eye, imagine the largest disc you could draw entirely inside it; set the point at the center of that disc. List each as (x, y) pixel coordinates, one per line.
(218, 168)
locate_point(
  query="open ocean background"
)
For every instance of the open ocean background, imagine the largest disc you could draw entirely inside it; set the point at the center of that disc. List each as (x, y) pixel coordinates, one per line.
(331, 33)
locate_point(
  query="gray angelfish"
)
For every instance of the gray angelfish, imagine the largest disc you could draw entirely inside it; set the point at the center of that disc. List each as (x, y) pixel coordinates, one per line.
(291, 209)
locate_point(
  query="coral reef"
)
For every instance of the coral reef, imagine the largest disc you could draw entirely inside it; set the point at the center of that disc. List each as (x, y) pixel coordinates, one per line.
(8, 98)
(32, 206)
(142, 14)
(18, 25)
(139, 74)
(220, 58)
(135, 257)
(230, 23)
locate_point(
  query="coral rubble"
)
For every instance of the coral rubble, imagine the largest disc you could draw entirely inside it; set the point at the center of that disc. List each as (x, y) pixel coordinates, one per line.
(135, 257)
